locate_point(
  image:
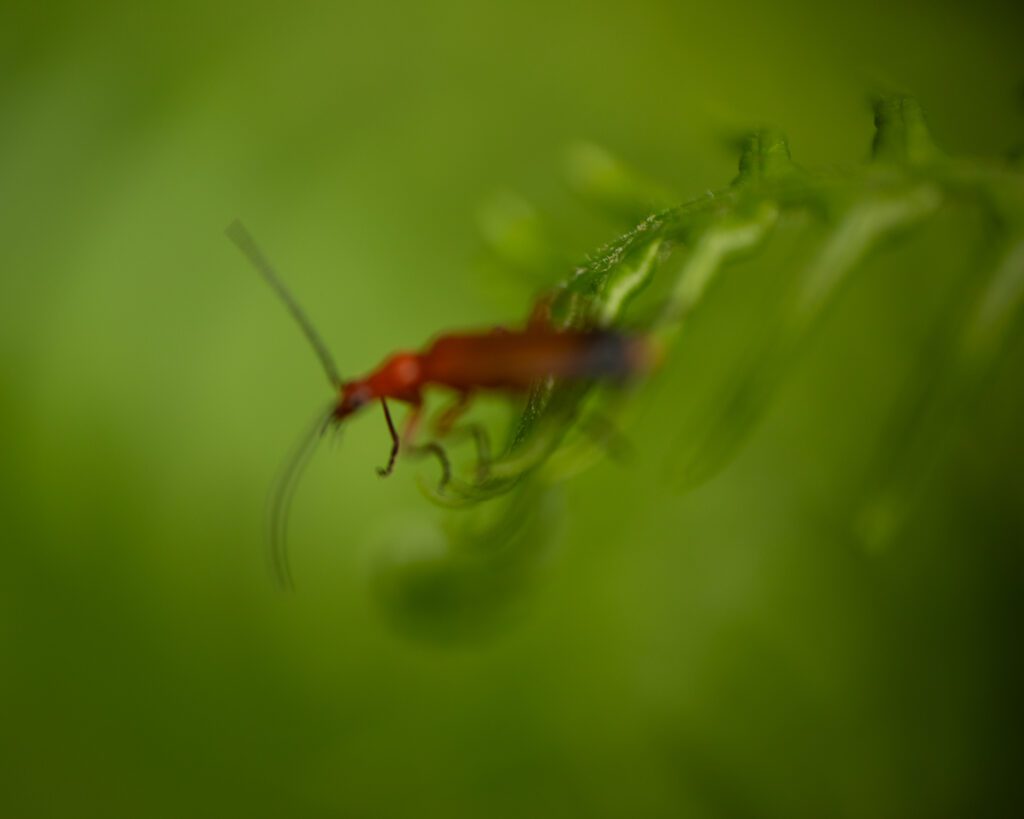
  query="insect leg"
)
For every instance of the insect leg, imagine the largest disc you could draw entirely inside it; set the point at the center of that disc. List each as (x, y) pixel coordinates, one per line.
(445, 426)
(540, 313)
(411, 425)
(483, 449)
(446, 420)
(384, 471)
(435, 449)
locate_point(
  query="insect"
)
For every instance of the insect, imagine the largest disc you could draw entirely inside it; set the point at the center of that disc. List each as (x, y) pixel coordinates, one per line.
(502, 360)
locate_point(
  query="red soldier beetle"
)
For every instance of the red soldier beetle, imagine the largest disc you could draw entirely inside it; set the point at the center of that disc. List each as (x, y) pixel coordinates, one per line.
(501, 360)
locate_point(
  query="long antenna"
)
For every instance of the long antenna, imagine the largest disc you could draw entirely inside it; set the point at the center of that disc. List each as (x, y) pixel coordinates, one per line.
(237, 233)
(279, 503)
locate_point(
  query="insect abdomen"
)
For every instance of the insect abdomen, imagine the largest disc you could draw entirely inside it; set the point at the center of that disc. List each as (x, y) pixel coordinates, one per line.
(515, 360)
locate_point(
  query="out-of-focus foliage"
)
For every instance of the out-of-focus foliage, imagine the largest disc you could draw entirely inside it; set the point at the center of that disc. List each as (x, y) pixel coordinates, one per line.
(791, 588)
(837, 219)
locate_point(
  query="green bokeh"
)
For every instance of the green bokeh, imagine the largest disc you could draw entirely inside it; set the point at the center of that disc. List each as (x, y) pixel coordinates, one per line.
(732, 651)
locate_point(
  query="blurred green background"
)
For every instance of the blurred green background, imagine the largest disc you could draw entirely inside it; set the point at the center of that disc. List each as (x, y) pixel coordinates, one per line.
(733, 651)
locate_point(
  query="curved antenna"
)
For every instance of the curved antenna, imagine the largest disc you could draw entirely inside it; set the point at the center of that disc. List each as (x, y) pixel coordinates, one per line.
(279, 503)
(237, 233)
